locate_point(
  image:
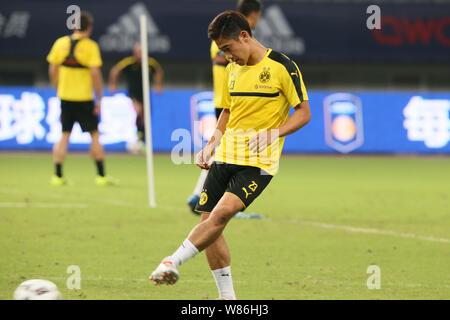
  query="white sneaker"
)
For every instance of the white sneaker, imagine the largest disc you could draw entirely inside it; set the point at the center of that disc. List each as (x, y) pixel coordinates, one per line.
(166, 273)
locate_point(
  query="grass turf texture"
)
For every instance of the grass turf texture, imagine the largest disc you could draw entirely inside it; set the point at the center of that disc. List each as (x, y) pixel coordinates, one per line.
(327, 220)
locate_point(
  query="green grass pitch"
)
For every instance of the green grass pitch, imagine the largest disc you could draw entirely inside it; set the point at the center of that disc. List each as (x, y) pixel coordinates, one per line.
(327, 220)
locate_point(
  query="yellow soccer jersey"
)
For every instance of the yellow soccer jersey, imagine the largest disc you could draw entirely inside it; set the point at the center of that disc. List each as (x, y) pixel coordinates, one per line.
(218, 74)
(259, 98)
(75, 83)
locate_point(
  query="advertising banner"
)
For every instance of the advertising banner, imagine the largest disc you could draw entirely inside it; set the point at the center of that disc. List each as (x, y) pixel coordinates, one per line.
(342, 122)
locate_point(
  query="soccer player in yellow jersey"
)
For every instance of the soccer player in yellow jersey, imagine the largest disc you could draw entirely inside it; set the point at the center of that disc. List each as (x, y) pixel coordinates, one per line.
(251, 9)
(74, 69)
(259, 88)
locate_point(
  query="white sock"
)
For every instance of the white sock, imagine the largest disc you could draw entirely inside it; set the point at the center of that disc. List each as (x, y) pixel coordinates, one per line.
(200, 182)
(185, 252)
(224, 282)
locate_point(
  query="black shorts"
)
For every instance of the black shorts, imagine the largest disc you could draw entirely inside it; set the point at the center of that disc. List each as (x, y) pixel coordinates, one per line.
(81, 112)
(246, 182)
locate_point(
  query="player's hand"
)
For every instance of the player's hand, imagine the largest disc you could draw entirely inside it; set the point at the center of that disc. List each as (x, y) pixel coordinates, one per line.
(203, 159)
(260, 141)
(97, 108)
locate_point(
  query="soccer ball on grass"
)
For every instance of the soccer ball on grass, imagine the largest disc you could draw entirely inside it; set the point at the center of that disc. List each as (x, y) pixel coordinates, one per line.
(37, 289)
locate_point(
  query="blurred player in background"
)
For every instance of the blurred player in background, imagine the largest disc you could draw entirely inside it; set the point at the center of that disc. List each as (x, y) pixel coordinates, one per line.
(259, 88)
(251, 9)
(74, 69)
(131, 68)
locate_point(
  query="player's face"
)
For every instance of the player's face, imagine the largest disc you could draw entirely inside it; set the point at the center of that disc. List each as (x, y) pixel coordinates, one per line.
(137, 52)
(236, 50)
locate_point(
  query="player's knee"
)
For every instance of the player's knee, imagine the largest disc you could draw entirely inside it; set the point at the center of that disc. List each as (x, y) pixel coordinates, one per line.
(222, 214)
(219, 220)
(64, 139)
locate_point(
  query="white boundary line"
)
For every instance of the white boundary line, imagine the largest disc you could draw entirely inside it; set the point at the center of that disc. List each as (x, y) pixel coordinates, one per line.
(363, 230)
(316, 224)
(42, 205)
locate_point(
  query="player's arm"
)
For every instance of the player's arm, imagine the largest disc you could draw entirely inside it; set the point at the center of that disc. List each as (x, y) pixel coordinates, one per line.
(159, 77)
(53, 70)
(300, 117)
(220, 128)
(94, 63)
(204, 156)
(295, 91)
(97, 81)
(114, 74)
(54, 59)
(116, 70)
(158, 74)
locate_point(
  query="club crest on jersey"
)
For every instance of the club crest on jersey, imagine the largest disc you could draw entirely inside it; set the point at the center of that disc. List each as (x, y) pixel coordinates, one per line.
(264, 76)
(344, 129)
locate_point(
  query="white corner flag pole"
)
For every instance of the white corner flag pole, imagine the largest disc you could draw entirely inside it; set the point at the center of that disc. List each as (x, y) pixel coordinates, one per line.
(147, 113)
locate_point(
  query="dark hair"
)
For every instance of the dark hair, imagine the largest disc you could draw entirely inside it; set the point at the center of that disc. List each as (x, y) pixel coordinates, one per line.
(86, 20)
(228, 24)
(246, 7)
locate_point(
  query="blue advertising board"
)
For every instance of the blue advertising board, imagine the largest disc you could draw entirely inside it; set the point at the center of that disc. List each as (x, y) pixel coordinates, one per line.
(342, 122)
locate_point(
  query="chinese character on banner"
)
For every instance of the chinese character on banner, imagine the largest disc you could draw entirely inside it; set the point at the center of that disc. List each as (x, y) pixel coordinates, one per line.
(28, 112)
(21, 119)
(428, 120)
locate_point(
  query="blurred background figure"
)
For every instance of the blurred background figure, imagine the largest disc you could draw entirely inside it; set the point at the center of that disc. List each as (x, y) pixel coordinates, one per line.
(131, 68)
(74, 69)
(251, 9)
